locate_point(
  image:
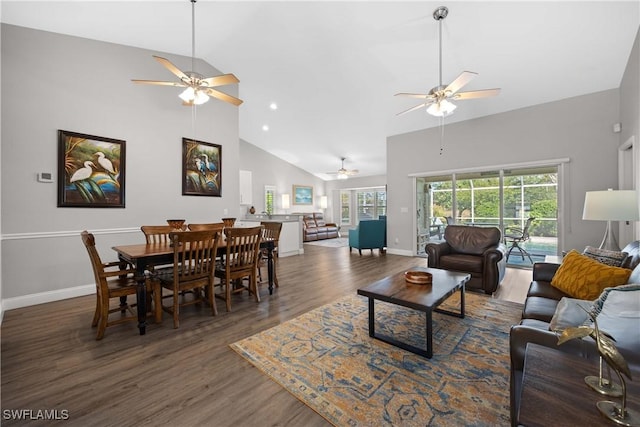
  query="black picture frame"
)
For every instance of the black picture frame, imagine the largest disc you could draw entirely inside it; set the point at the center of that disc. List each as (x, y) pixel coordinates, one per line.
(91, 171)
(201, 168)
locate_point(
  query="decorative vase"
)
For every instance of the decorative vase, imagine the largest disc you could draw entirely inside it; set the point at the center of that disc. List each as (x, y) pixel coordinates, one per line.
(252, 210)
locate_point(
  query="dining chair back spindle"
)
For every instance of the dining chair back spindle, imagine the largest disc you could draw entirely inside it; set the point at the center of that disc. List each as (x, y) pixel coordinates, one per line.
(271, 231)
(240, 262)
(194, 254)
(113, 280)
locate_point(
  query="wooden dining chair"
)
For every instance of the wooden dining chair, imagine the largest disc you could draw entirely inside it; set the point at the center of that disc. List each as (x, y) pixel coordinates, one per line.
(156, 233)
(112, 281)
(240, 262)
(212, 226)
(194, 254)
(271, 231)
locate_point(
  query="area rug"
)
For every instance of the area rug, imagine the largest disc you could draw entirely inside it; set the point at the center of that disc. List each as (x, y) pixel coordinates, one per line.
(326, 359)
(338, 242)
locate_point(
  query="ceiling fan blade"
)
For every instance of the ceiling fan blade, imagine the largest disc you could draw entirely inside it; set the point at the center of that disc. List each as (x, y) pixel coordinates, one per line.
(485, 93)
(159, 83)
(169, 66)
(353, 172)
(223, 96)
(225, 79)
(464, 78)
(414, 95)
(413, 108)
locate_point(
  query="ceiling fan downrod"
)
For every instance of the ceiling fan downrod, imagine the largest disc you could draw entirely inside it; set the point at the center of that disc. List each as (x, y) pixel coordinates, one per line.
(439, 14)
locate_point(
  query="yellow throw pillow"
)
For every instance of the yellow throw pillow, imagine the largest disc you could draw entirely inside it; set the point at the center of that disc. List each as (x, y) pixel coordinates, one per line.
(582, 277)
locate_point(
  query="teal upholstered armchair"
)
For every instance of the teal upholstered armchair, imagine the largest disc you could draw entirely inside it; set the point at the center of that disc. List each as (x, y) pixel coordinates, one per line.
(368, 235)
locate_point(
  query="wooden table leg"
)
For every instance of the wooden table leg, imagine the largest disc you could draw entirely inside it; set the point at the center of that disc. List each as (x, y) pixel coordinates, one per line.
(270, 266)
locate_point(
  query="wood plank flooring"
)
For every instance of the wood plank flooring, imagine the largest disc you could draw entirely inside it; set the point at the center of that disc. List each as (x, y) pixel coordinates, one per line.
(187, 376)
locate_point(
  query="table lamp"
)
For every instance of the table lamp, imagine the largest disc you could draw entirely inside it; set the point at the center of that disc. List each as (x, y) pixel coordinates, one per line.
(323, 202)
(285, 202)
(611, 205)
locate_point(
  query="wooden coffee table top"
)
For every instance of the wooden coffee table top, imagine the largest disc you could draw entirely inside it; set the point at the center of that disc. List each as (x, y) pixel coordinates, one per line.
(396, 290)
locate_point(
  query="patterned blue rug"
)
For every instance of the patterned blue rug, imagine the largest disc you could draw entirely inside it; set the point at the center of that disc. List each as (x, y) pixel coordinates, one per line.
(327, 360)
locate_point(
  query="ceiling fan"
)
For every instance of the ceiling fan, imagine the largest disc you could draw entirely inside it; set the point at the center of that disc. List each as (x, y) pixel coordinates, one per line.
(344, 173)
(438, 100)
(198, 88)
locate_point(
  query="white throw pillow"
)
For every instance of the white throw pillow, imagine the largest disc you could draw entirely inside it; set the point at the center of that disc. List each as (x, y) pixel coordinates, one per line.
(620, 317)
(570, 312)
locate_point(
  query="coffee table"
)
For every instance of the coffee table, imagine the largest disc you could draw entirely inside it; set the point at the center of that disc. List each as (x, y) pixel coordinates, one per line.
(426, 298)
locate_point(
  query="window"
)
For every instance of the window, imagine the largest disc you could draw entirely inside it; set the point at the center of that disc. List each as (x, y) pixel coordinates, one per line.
(371, 204)
(269, 199)
(345, 207)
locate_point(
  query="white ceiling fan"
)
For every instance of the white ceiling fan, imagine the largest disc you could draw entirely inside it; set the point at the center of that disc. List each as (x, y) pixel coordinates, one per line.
(438, 100)
(343, 173)
(198, 88)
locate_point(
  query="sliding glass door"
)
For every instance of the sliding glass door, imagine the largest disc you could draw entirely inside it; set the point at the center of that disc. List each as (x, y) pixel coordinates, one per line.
(500, 198)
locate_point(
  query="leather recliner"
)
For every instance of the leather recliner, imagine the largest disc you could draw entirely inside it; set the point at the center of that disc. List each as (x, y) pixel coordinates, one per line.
(475, 250)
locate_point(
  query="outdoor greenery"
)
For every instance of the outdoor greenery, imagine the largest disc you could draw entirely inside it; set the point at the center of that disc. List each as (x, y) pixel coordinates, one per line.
(478, 201)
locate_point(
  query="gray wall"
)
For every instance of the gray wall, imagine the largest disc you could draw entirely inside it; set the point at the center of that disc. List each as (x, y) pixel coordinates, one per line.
(630, 96)
(579, 128)
(51, 82)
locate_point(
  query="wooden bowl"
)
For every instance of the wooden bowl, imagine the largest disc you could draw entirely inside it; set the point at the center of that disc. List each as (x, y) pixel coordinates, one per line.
(418, 277)
(176, 224)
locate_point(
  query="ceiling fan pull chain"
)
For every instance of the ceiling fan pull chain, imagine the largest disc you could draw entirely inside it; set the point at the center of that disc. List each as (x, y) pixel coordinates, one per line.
(441, 135)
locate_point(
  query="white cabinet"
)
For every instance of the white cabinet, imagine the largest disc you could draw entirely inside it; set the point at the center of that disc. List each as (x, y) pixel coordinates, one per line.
(245, 188)
(290, 236)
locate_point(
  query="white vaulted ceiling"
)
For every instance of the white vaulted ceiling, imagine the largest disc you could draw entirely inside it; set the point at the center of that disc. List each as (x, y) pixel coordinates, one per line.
(333, 66)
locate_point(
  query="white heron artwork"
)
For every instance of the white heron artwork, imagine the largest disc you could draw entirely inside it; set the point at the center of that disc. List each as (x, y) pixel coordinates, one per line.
(91, 172)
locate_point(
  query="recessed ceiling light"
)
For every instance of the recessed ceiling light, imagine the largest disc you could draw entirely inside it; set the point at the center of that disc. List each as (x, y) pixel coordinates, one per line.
(265, 128)
(273, 106)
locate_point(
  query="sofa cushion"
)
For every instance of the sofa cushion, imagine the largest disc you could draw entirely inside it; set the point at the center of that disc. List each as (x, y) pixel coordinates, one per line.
(539, 308)
(612, 258)
(542, 289)
(570, 312)
(582, 277)
(461, 262)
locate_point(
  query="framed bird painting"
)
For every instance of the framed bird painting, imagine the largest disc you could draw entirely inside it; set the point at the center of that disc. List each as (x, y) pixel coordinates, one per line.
(90, 171)
(201, 168)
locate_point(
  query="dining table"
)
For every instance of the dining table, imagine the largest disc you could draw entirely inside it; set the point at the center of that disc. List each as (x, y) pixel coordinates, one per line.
(146, 255)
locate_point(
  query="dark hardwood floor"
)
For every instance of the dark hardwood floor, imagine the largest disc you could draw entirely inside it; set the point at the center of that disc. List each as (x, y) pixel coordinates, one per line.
(180, 377)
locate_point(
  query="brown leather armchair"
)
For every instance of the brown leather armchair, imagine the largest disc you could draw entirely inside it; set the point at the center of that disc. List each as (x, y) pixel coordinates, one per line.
(474, 250)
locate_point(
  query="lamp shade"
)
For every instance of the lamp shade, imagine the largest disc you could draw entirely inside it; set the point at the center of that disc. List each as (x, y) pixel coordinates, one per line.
(285, 201)
(323, 202)
(611, 205)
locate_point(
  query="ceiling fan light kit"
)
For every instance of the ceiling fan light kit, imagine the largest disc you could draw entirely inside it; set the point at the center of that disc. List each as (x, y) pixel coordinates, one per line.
(343, 173)
(198, 88)
(438, 100)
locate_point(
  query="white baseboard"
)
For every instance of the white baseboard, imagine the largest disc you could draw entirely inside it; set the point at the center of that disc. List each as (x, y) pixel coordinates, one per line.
(402, 252)
(44, 297)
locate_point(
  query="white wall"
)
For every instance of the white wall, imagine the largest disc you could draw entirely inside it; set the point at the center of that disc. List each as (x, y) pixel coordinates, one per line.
(50, 82)
(267, 169)
(579, 128)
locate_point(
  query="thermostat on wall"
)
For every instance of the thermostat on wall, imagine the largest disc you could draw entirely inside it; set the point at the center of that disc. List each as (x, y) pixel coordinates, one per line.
(45, 177)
